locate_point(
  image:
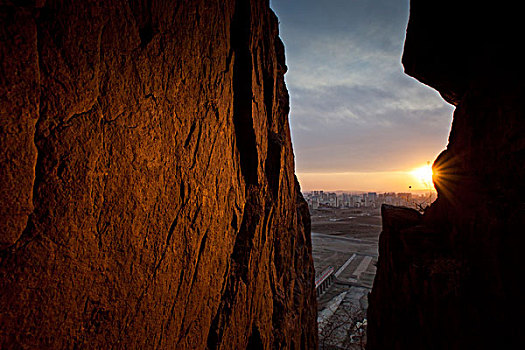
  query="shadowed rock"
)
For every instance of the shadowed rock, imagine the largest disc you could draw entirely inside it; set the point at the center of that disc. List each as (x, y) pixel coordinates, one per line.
(452, 280)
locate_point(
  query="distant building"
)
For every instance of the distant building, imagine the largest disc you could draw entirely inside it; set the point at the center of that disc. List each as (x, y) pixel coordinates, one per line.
(404, 199)
(356, 201)
(321, 199)
(371, 199)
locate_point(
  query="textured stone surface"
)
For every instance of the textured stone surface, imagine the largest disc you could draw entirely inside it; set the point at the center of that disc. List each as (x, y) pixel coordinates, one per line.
(148, 197)
(452, 278)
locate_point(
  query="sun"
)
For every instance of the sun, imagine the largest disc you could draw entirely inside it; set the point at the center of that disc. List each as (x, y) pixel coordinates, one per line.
(423, 175)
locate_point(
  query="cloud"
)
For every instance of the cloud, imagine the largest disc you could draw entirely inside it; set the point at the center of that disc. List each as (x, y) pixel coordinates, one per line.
(332, 61)
(358, 128)
(352, 107)
(346, 106)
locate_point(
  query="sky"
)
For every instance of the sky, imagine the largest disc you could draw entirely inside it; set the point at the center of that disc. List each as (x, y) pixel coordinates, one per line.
(358, 122)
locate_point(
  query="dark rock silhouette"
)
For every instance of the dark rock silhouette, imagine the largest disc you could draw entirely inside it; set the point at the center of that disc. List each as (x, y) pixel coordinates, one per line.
(148, 197)
(451, 278)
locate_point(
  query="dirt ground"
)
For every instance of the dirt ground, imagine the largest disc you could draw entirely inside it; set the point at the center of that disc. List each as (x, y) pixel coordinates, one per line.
(347, 240)
(339, 233)
(357, 223)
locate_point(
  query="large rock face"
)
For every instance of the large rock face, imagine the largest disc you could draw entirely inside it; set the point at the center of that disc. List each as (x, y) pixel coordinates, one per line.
(148, 197)
(451, 278)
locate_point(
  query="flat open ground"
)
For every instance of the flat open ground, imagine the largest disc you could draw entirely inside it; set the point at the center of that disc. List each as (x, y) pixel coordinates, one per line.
(346, 239)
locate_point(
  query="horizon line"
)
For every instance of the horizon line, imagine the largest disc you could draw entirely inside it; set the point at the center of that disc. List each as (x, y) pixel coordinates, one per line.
(366, 191)
(354, 172)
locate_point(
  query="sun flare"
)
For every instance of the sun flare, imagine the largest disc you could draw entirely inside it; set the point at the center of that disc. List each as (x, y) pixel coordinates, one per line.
(423, 175)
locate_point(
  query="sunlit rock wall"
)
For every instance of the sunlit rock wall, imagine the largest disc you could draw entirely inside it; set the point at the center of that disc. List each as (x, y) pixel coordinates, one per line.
(452, 278)
(148, 197)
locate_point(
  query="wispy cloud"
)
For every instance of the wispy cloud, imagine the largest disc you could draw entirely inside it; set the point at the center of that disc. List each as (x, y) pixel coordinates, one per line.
(352, 107)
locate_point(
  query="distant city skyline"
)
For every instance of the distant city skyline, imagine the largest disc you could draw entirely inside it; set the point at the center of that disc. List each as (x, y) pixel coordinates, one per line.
(325, 199)
(358, 122)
